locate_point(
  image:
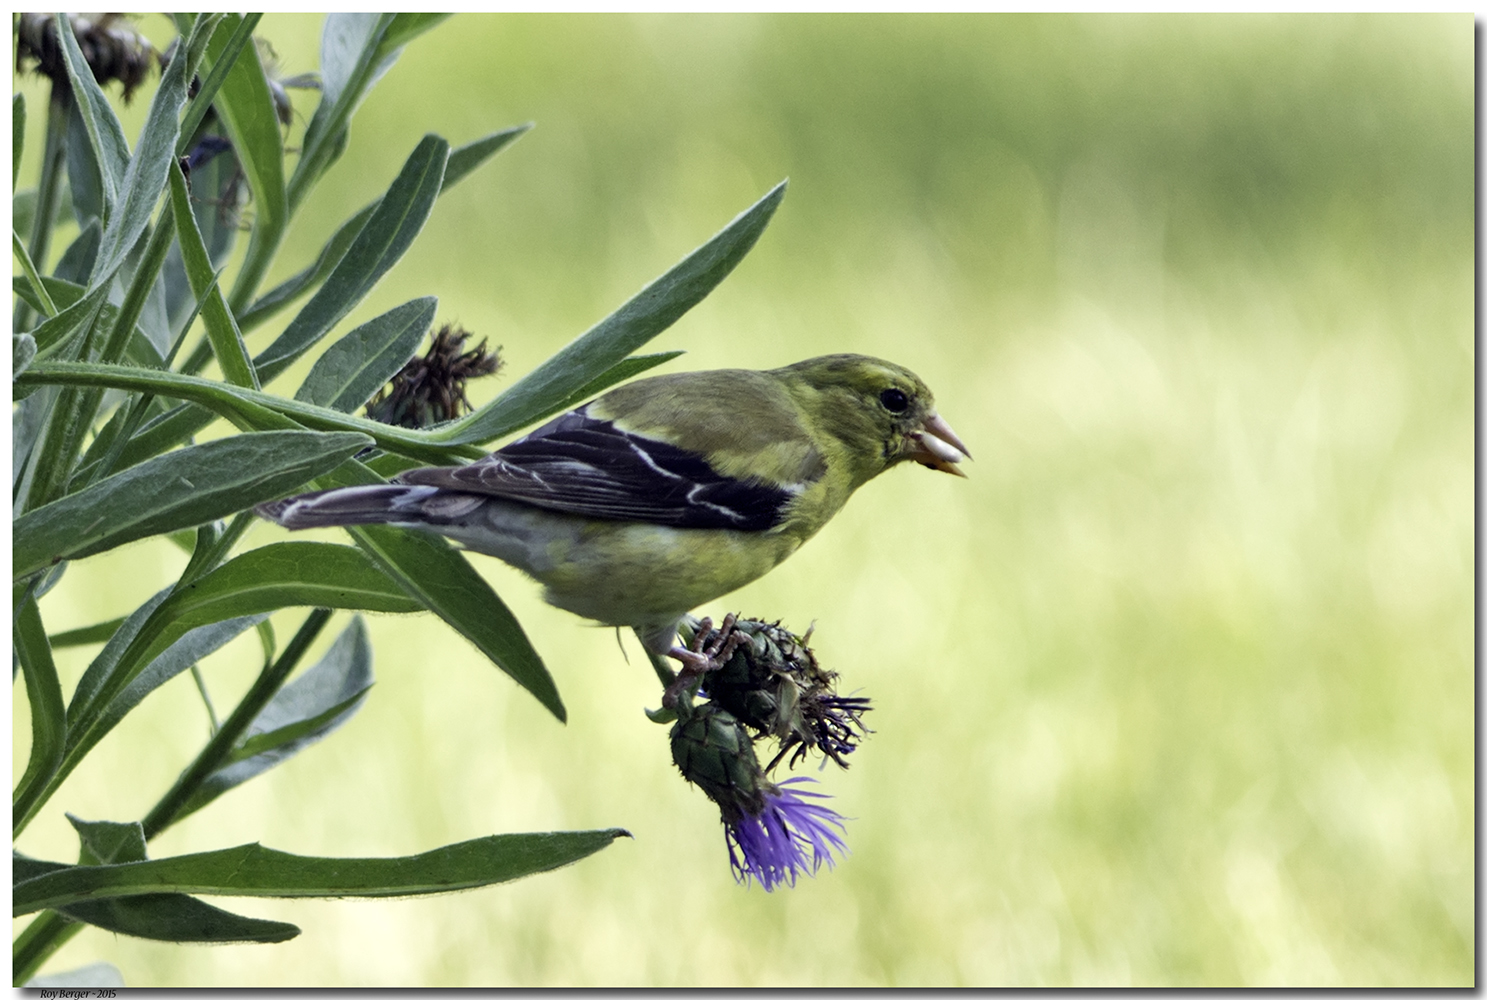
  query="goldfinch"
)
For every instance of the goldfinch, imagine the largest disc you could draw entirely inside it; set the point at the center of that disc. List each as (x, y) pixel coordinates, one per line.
(666, 492)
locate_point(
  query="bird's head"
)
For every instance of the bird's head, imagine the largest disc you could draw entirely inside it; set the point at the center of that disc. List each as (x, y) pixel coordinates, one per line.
(883, 412)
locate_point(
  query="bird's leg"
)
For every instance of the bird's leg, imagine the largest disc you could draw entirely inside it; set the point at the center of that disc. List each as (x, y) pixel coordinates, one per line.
(701, 659)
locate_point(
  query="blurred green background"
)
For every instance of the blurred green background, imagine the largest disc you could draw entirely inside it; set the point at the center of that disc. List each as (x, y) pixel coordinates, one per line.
(1176, 689)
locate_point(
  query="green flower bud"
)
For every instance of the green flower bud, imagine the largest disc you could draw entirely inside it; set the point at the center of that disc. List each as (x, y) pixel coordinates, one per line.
(716, 753)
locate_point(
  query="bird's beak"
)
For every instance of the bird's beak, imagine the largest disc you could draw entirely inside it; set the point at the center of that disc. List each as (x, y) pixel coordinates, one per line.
(936, 446)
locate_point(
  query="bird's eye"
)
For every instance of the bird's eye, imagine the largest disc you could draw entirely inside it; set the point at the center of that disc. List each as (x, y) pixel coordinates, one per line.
(894, 400)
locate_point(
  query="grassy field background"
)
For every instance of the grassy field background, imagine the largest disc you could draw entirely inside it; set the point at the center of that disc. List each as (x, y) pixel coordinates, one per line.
(1176, 689)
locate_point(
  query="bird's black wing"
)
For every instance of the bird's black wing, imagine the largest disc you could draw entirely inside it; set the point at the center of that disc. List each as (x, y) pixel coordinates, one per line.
(579, 464)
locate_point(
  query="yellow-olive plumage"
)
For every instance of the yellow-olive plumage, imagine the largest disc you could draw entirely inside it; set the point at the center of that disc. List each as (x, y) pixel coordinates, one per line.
(669, 491)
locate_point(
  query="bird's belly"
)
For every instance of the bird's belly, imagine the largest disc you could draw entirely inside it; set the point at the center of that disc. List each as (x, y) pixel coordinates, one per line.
(627, 574)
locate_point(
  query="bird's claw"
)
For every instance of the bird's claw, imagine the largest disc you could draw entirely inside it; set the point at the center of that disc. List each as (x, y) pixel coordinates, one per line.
(702, 656)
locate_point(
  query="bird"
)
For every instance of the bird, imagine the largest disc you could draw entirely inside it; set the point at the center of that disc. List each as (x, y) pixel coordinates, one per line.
(666, 492)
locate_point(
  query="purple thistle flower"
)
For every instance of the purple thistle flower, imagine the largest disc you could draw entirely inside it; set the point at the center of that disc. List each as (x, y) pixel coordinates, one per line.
(773, 843)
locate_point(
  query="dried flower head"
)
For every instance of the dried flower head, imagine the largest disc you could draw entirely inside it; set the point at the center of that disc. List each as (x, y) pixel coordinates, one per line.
(109, 43)
(431, 389)
(774, 684)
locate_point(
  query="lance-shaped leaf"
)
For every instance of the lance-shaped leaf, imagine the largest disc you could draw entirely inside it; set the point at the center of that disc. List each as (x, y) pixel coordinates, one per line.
(180, 489)
(222, 331)
(87, 635)
(246, 107)
(145, 178)
(355, 51)
(254, 870)
(78, 259)
(44, 692)
(353, 368)
(462, 161)
(303, 713)
(434, 572)
(158, 916)
(379, 245)
(105, 135)
(652, 310)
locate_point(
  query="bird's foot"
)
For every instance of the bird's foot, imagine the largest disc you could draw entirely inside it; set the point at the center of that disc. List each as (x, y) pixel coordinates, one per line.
(700, 659)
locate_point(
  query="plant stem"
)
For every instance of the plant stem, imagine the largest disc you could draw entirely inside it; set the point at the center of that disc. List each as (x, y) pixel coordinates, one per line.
(172, 806)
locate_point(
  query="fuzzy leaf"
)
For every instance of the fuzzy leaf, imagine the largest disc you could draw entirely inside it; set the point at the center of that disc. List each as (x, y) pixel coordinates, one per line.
(380, 244)
(144, 180)
(110, 150)
(177, 490)
(222, 331)
(44, 692)
(352, 370)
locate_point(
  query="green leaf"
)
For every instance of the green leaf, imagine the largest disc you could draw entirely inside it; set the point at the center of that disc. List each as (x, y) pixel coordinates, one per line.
(85, 184)
(434, 572)
(33, 278)
(87, 635)
(656, 307)
(303, 713)
(78, 259)
(105, 135)
(170, 916)
(158, 916)
(404, 28)
(55, 335)
(246, 107)
(55, 451)
(224, 45)
(65, 294)
(352, 370)
(380, 244)
(254, 870)
(107, 660)
(292, 288)
(227, 341)
(144, 180)
(107, 843)
(462, 162)
(355, 51)
(17, 135)
(44, 692)
(176, 490)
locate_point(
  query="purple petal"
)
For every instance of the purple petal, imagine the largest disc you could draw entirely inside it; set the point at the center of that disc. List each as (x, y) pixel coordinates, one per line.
(773, 843)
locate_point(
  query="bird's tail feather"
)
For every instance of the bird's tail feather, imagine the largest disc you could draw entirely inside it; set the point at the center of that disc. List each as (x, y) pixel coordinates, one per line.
(383, 503)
